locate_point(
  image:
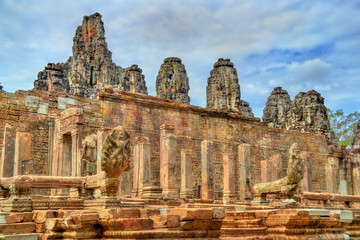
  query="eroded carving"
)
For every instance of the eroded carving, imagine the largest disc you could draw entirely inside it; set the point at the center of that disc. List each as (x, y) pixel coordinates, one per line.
(88, 155)
(286, 186)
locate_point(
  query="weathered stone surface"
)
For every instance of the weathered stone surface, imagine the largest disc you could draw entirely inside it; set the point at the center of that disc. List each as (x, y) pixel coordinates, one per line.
(308, 113)
(115, 155)
(172, 81)
(166, 221)
(90, 68)
(287, 185)
(89, 155)
(277, 105)
(223, 89)
(244, 107)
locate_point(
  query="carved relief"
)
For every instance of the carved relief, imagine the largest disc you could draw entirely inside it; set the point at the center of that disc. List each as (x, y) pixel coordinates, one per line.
(115, 153)
(88, 155)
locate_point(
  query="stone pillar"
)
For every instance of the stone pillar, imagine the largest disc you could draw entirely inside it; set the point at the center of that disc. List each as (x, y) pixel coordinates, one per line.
(142, 167)
(332, 175)
(207, 170)
(306, 182)
(22, 153)
(75, 154)
(356, 171)
(168, 162)
(244, 170)
(102, 134)
(186, 191)
(343, 184)
(56, 150)
(135, 188)
(229, 177)
(8, 152)
(275, 167)
(265, 171)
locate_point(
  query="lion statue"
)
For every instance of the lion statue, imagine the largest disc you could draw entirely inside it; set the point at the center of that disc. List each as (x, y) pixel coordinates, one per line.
(285, 186)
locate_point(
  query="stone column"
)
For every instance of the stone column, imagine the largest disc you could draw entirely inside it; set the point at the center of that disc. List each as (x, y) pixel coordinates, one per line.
(142, 167)
(244, 170)
(135, 188)
(75, 151)
(56, 149)
(343, 184)
(168, 162)
(229, 178)
(306, 183)
(356, 171)
(8, 152)
(102, 134)
(207, 170)
(332, 174)
(186, 174)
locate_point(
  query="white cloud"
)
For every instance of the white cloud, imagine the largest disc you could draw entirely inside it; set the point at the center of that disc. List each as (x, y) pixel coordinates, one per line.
(314, 70)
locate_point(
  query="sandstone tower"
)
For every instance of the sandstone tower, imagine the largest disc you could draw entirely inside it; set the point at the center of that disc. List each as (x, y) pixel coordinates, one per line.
(308, 113)
(172, 81)
(223, 89)
(277, 105)
(90, 68)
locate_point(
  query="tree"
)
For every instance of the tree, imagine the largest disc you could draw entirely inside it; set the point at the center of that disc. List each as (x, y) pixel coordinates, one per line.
(342, 125)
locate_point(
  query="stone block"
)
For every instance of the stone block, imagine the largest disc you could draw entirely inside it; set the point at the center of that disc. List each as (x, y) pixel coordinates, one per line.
(28, 216)
(17, 228)
(166, 221)
(40, 227)
(218, 213)
(52, 224)
(197, 224)
(129, 213)
(148, 212)
(41, 216)
(191, 214)
(28, 236)
(79, 218)
(14, 218)
(43, 108)
(131, 224)
(345, 216)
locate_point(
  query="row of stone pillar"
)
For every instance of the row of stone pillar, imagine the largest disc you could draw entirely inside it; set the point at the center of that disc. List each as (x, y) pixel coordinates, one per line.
(168, 184)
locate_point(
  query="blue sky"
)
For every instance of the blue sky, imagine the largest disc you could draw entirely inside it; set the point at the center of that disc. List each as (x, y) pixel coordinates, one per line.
(299, 45)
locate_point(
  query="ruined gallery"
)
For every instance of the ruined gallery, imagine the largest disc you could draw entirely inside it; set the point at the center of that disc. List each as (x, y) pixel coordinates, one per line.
(88, 154)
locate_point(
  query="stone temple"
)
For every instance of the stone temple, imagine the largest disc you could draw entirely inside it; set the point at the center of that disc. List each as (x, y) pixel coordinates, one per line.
(87, 154)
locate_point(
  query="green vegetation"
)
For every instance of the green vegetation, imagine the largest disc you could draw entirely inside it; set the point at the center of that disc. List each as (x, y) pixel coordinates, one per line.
(343, 125)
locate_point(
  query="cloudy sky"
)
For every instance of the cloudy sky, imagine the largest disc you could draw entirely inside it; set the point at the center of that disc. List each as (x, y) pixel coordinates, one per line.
(299, 45)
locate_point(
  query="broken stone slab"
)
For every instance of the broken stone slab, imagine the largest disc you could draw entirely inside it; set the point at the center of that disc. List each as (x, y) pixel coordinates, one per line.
(27, 236)
(345, 215)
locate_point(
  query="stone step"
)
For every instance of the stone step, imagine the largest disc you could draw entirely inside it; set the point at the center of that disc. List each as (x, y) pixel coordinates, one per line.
(17, 228)
(238, 232)
(243, 223)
